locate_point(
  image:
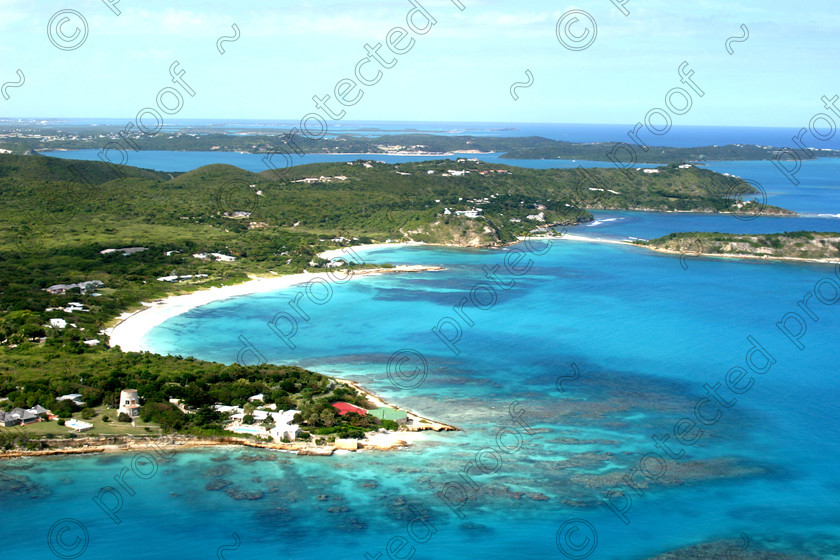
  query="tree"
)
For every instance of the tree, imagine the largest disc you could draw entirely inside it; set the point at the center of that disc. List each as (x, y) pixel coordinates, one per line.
(327, 418)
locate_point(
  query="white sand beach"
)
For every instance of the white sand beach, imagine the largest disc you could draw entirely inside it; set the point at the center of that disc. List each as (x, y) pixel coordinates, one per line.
(346, 251)
(573, 237)
(132, 327)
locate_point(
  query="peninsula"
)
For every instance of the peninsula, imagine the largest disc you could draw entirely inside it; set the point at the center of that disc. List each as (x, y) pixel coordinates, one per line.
(801, 246)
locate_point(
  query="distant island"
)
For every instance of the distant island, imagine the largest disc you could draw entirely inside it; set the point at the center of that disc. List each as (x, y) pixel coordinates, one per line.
(806, 246)
(21, 139)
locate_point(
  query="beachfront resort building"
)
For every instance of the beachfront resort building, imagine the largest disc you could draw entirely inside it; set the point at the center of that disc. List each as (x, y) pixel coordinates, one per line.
(129, 403)
(284, 426)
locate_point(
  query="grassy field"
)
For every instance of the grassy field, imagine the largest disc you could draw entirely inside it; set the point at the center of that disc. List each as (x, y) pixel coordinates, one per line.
(100, 427)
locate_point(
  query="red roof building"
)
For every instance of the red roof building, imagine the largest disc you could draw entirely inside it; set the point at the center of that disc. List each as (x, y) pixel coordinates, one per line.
(344, 408)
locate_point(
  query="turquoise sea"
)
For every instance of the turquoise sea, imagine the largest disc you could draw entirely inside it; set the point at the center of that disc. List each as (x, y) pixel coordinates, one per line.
(595, 349)
(562, 366)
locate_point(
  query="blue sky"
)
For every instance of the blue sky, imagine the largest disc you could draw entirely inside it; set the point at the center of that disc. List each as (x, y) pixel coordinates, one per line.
(462, 68)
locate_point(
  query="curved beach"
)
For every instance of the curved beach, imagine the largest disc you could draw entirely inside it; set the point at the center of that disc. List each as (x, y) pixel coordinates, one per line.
(132, 327)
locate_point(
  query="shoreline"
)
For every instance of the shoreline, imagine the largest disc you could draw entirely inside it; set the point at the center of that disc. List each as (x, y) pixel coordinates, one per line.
(373, 441)
(330, 254)
(131, 327)
(572, 237)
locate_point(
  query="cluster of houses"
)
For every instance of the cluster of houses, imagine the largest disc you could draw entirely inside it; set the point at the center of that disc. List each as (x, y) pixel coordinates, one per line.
(72, 307)
(461, 173)
(214, 256)
(321, 179)
(176, 278)
(126, 251)
(24, 416)
(84, 287)
(284, 426)
(473, 213)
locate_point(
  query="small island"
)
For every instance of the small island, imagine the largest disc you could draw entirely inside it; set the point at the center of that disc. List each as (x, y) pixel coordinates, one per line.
(803, 246)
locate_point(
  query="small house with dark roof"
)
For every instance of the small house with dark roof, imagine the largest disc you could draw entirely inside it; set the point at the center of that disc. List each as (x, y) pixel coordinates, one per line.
(18, 416)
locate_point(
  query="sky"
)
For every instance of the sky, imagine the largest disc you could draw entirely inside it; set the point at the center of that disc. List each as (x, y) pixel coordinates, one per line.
(593, 61)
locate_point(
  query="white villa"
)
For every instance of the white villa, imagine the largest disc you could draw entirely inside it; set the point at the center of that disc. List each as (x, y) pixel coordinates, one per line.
(284, 426)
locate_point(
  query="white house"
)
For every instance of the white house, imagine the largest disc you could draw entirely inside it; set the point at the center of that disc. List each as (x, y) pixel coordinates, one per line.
(75, 397)
(284, 427)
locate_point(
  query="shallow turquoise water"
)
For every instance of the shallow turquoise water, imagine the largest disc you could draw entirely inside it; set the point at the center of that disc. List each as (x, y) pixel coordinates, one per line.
(630, 337)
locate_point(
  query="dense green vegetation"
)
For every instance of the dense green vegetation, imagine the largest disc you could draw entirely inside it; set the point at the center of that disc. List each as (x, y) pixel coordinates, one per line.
(36, 374)
(797, 244)
(59, 215)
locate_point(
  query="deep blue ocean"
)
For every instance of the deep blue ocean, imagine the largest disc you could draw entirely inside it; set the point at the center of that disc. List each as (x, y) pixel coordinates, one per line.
(560, 372)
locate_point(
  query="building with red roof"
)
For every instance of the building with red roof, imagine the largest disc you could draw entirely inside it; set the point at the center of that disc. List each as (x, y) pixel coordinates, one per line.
(344, 408)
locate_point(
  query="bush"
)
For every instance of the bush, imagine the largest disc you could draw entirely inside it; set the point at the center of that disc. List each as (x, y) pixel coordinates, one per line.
(351, 433)
(61, 421)
(106, 419)
(88, 413)
(390, 425)
(123, 417)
